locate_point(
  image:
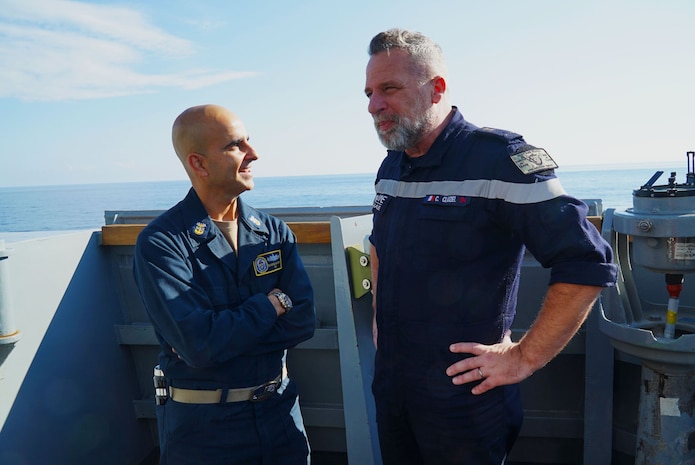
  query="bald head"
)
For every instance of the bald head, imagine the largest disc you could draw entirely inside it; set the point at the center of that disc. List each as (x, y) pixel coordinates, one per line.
(194, 128)
(213, 146)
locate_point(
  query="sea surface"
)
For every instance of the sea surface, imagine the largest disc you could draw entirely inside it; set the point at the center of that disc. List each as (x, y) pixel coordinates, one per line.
(71, 207)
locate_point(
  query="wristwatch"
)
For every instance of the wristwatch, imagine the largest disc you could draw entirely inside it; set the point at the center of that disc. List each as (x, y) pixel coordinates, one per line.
(285, 300)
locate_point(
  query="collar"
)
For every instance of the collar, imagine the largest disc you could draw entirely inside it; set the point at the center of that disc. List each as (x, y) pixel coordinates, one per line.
(201, 227)
(439, 147)
(251, 219)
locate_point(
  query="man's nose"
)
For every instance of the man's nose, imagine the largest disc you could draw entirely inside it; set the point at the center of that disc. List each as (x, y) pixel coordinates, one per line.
(376, 104)
(251, 153)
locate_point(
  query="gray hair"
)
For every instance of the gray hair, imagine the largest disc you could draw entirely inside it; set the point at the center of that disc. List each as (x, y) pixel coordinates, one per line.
(427, 55)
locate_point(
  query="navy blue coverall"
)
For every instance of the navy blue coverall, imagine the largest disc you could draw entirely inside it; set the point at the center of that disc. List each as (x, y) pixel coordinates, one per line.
(210, 306)
(450, 230)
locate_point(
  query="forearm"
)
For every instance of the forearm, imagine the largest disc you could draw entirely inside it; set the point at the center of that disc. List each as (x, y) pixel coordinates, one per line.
(299, 323)
(564, 310)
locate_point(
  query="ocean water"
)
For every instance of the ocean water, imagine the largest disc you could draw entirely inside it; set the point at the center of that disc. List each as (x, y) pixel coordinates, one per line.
(70, 207)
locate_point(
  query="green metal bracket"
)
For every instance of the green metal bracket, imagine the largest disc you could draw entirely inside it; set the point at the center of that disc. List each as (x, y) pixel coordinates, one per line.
(360, 272)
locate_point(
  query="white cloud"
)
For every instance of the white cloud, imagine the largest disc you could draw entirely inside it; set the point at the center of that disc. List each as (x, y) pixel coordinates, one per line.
(61, 49)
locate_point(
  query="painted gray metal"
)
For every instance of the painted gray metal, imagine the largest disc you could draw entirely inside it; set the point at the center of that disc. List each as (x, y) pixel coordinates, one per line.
(655, 236)
(634, 317)
(9, 334)
(67, 387)
(354, 317)
(634, 313)
(666, 415)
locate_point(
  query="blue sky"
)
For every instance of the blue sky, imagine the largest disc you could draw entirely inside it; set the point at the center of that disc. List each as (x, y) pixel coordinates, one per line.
(88, 90)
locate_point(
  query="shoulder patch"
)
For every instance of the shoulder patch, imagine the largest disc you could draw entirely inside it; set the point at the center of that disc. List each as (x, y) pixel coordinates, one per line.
(533, 161)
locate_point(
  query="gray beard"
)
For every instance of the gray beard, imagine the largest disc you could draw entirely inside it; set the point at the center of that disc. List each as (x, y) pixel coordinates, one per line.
(406, 134)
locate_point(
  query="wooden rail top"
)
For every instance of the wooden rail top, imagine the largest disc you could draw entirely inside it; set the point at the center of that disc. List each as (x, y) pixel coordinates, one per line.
(306, 232)
(318, 232)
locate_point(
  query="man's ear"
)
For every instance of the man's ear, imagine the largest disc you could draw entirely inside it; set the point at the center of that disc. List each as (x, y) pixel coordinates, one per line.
(438, 88)
(197, 164)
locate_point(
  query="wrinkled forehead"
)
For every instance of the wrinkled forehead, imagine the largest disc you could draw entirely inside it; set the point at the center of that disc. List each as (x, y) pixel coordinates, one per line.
(398, 61)
(395, 65)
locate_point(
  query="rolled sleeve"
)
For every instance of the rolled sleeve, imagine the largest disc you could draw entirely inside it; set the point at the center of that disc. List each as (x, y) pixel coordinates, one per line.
(559, 235)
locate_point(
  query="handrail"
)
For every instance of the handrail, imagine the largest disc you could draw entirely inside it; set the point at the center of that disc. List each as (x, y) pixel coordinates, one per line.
(318, 232)
(597, 221)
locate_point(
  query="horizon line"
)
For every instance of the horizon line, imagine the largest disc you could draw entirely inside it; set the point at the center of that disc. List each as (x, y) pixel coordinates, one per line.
(576, 167)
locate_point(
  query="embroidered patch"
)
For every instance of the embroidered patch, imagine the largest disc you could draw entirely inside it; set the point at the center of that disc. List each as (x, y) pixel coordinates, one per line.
(254, 220)
(533, 161)
(457, 200)
(379, 200)
(199, 228)
(267, 263)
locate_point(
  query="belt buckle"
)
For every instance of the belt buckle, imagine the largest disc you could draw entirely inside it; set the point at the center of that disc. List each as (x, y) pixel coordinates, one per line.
(264, 391)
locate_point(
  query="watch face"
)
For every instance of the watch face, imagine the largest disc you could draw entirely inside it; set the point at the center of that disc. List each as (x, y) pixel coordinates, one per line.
(284, 299)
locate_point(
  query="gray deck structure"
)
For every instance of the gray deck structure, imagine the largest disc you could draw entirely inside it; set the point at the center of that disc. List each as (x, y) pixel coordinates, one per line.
(76, 388)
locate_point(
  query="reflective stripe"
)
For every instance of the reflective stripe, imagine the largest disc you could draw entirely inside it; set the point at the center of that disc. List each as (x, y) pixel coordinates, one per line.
(488, 189)
(296, 415)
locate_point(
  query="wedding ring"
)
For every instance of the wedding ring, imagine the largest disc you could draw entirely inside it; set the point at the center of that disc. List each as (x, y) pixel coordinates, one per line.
(480, 372)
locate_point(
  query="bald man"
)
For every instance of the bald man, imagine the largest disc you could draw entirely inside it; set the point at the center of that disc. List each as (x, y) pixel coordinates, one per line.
(227, 294)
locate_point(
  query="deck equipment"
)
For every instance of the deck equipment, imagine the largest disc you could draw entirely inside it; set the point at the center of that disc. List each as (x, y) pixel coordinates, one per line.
(658, 234)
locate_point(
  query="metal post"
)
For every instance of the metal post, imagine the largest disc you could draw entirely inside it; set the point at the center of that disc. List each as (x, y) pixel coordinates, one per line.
(9, 334)
(666, 432)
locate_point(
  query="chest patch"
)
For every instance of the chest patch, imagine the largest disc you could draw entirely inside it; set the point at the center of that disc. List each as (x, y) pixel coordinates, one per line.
(267, 263)
(453, 200)
(533, 161)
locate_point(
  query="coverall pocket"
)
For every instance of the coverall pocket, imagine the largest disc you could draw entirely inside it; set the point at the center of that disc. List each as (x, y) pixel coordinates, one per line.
(448, 233)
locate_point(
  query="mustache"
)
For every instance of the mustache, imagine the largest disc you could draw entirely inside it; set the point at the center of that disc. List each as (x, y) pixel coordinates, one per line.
(382, 118)
(378, 119)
